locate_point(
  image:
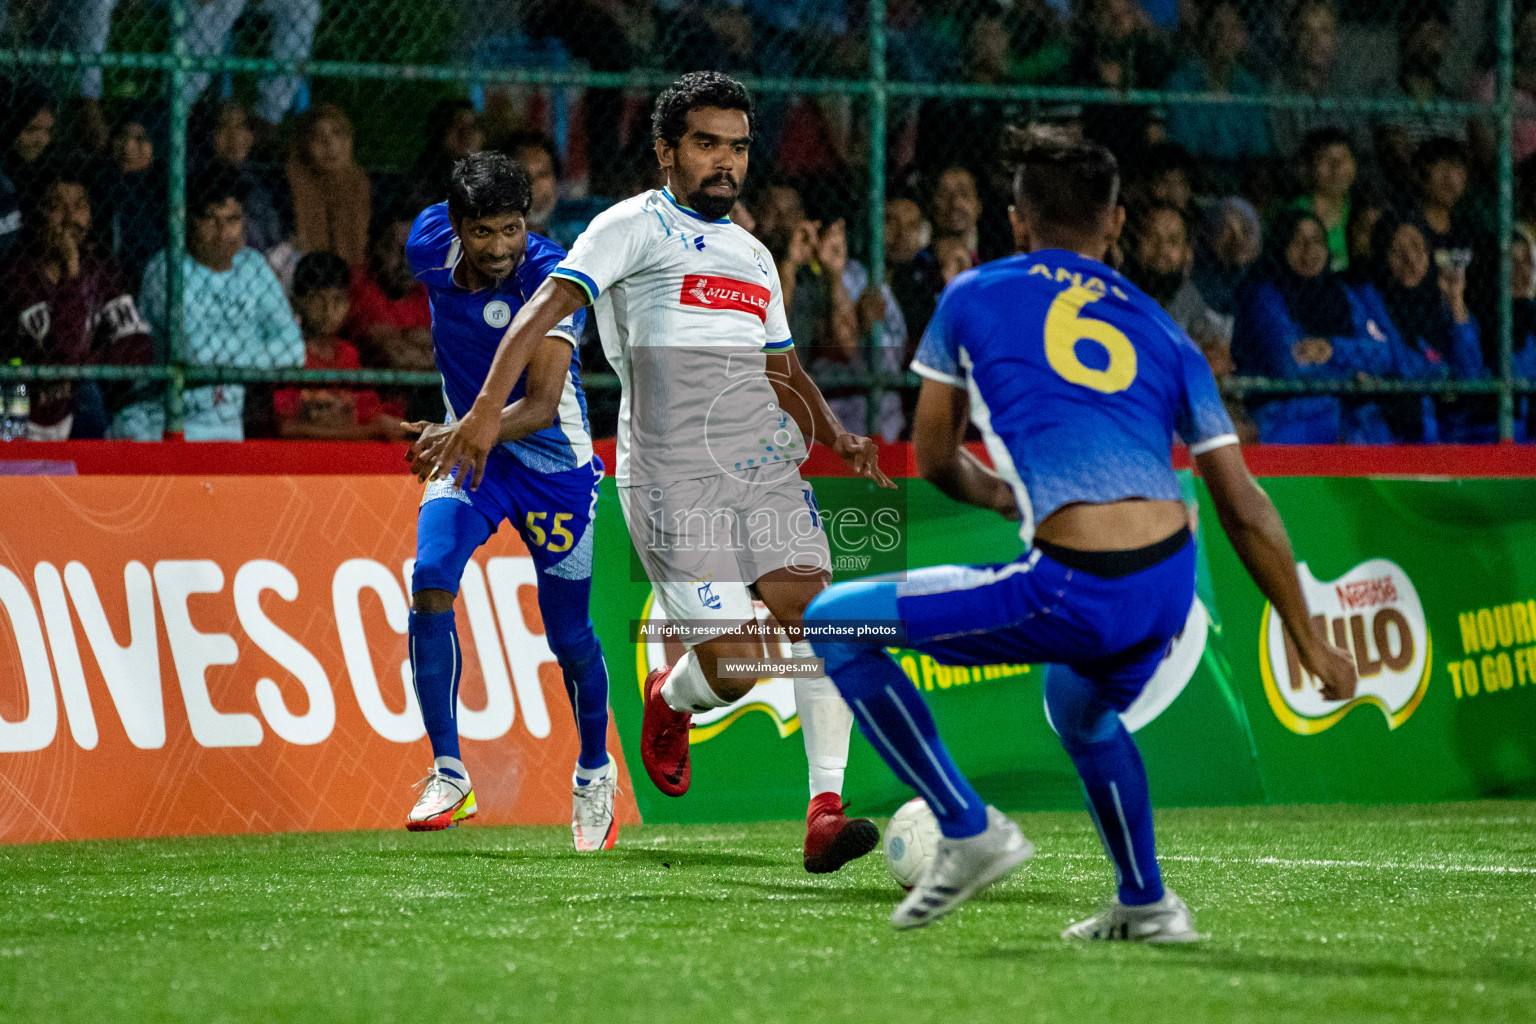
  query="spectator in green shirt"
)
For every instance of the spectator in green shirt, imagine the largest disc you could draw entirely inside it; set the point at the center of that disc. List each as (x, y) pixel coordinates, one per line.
(1328, 167)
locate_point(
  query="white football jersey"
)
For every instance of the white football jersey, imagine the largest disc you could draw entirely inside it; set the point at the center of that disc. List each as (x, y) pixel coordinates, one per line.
(687, 309)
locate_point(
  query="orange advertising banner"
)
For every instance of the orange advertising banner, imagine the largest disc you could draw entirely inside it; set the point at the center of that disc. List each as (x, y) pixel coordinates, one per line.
(191, 655)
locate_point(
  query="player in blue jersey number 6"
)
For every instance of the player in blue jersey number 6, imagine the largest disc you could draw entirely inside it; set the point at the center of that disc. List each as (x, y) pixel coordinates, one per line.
(1077, 382)
(480, 264)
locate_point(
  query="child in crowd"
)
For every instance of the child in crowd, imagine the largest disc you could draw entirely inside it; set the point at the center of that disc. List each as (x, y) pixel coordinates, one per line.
(329, 413)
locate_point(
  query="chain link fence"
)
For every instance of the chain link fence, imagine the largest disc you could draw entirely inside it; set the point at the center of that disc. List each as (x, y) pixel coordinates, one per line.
(1331, 199)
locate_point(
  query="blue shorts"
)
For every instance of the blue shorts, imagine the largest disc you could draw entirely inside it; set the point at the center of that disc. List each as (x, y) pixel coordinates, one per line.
(1113, 631)
(551, 511)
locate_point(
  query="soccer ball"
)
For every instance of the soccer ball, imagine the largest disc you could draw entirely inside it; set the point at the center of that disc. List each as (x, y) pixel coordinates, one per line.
(911, 840)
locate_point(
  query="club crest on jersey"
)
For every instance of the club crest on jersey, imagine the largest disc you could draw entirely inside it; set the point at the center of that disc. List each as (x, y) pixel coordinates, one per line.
(497, 313)
(707, 596)
(1373, 612)
(725, 293)
(757, 255)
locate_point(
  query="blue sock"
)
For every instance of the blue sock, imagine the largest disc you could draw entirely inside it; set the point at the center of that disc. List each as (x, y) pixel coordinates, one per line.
(568, 631)
(435, 666)
(890, 712)
(586, 683)
(1114, 781)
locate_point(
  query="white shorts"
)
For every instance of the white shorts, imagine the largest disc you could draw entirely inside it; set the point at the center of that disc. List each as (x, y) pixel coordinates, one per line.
(703, 542)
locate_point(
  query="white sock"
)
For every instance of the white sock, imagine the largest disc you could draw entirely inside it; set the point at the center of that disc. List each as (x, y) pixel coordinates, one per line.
(687, 690)
(588, 775)
(826, 722)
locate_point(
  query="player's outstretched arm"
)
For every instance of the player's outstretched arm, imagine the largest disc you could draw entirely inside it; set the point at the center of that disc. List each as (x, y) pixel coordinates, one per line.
(938, 435)
(802, 399)
(533, 412)
(461, 451)
(1254, 527)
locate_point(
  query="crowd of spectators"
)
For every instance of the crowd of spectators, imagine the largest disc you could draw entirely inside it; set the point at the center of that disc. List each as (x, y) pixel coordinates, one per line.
(1291, 242)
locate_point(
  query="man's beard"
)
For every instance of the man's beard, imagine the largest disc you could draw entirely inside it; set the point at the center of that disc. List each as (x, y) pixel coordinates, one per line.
(710, 206)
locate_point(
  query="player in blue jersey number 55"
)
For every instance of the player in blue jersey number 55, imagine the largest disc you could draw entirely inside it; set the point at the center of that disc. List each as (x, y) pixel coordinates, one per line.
(480, 264)
(1077, 382)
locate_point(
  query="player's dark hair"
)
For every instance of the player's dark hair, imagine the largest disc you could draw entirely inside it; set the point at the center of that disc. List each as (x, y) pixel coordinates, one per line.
(488, 185)
(212, 188)
(318, 271)
(695, 91)
(1066, 181)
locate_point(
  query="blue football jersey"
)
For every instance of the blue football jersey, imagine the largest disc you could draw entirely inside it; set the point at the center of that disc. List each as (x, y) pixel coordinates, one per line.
(1078, 381)
(468, 326)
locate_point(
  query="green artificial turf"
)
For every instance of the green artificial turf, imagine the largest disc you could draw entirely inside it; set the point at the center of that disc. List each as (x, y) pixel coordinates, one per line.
(1314, 914)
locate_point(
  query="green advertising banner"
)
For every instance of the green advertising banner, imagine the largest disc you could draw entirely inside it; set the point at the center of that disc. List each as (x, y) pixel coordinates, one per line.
(1431, 584)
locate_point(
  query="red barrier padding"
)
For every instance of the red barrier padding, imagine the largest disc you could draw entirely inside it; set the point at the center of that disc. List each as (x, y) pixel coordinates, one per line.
(370, 458)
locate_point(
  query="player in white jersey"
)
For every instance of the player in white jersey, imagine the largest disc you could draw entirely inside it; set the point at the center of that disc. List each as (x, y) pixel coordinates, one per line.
(716, 415)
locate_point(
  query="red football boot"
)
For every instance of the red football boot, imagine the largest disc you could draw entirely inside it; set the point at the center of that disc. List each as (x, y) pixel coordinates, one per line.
(832, 839)
(664, 739)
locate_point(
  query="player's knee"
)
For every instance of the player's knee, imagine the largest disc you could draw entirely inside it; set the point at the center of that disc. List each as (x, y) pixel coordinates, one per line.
(575, 649)
(431, 601)
(846, 602)
(1081, 718)
(711, 653)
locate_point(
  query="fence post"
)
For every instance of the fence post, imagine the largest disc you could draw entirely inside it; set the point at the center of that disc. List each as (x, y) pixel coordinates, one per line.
(1506, 218)
(176, 223)
(877, 126)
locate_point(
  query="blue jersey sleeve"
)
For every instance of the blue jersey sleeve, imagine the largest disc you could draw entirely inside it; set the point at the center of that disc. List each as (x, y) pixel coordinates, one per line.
(1202, 421)
(938, 355)
(433, 248)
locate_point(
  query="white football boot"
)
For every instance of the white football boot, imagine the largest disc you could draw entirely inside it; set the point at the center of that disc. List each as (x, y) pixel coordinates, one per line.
(444, 802)
(592, 823)
(962, 866)
(1167, 920)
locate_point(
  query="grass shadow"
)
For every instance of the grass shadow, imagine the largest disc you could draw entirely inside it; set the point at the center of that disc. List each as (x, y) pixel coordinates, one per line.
(843, 894)
(1206, 956)
(665, 859)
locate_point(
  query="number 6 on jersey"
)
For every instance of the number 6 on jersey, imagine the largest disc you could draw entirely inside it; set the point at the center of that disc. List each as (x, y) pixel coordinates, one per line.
(1065, 326)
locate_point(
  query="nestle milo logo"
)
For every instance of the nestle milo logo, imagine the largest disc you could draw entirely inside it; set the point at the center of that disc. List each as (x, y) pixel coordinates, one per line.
(1373, 612)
